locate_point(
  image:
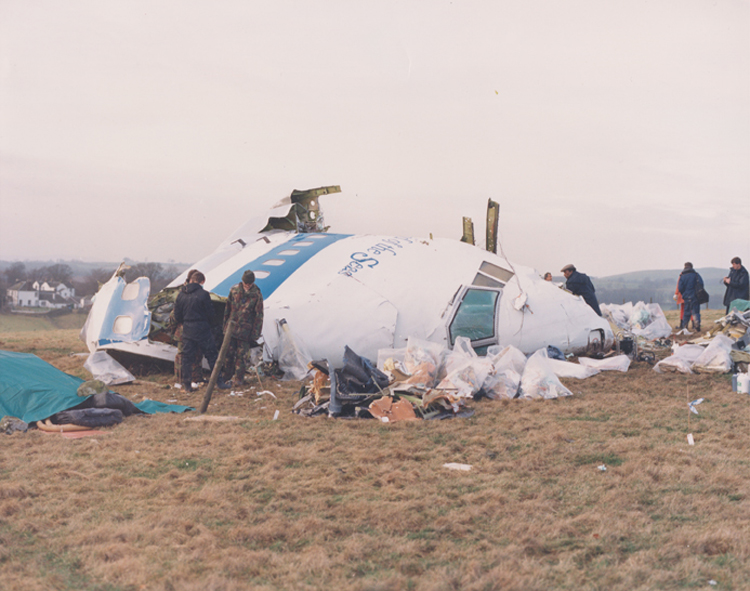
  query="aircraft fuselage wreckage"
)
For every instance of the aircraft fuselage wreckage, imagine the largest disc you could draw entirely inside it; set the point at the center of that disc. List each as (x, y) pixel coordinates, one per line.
(367, 292)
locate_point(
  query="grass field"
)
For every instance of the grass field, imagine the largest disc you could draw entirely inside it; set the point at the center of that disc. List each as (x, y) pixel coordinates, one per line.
(164, 503)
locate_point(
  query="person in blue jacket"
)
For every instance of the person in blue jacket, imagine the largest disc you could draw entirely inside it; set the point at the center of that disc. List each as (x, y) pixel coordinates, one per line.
(737, 282)
(689, 284)
(580, 284)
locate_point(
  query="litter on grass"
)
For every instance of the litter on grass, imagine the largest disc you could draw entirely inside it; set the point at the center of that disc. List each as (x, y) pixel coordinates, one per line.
(455, 466)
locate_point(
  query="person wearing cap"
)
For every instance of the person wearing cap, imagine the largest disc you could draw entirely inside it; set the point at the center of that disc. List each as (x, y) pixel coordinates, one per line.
(580, 284)
(689, 285)
(737, 282)
(244, 307)
(194, 310)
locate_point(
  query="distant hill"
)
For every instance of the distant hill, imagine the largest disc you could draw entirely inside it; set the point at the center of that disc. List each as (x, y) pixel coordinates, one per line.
(82, 268)
(657, 286)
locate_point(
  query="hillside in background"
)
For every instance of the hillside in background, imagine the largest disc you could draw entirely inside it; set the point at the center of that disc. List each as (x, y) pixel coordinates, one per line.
(657, 287)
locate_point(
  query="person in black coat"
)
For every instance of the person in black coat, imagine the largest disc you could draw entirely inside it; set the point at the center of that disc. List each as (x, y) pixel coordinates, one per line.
(689, 285)
(580, 284)
(738, 283)
(194, 310)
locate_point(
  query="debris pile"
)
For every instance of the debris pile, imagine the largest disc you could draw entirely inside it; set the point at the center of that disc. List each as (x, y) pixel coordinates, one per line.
(425, 380)
(724, 348)
(640, 319)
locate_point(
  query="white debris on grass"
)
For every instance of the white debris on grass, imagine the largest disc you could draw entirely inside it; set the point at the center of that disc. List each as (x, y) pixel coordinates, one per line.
(455, 466)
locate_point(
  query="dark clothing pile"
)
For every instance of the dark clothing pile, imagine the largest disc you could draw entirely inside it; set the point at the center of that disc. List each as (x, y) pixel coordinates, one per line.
(738, 287)
(580, 284)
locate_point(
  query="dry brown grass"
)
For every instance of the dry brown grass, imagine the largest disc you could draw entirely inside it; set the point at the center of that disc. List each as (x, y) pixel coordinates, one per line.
(161, 503)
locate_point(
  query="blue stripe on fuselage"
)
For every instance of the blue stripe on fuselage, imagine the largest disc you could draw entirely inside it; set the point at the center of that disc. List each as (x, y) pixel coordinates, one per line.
(278, 274)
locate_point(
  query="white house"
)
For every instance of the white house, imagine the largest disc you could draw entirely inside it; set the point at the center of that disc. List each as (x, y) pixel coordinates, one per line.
(23, 293)
(42, 294)
(55, 286)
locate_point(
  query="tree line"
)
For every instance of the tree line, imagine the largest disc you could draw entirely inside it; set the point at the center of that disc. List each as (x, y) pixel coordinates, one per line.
(88, 284)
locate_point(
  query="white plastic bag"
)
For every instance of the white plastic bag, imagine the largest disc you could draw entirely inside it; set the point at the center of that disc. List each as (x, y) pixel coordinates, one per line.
(616, 363)
(681, 360)
(423, 360)
(566, 369)
(539, 379)
(644, 320)
(717, 356)
(468, 379)
(508, 364)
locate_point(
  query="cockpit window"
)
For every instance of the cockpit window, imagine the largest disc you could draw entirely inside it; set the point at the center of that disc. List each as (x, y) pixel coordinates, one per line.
(475, 317)
(490, 275)
(495, 271)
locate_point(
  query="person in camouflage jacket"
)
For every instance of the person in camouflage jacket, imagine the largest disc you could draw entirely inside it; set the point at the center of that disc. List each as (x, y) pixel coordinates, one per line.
(245, 307)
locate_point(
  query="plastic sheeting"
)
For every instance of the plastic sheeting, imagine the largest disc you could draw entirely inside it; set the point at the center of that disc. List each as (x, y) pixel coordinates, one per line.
(465, 371)
(566, 369)
(32, 390)
(681, 360)
(292, 355)
(716, 358)
(643, 320)
(104, 368)
(539, 379)
(616, 363)
(509, 364)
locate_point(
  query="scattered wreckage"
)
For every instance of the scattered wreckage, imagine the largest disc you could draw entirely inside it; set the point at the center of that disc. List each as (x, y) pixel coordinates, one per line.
(723, 348)
(644, 333)
(366, 292)
(424, 380)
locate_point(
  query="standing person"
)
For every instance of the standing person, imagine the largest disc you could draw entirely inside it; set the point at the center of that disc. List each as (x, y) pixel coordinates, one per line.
(680, 302)
(194, 310)
(548, 276)
(689, 284)
(738, 283)
(245, 308)
(580, 284)
(177, 336)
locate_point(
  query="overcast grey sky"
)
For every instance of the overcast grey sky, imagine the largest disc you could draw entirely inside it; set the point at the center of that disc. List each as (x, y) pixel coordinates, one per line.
(614, 134)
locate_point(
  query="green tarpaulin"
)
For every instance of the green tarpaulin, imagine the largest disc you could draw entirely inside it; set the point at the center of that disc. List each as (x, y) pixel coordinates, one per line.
(32, 390)
(739, 305)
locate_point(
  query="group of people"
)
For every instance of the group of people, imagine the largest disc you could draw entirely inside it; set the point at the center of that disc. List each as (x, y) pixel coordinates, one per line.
(690, 285)
(193, 319)
(688, 292)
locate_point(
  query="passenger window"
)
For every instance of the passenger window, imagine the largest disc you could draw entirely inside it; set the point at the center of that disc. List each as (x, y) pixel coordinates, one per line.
(475, 318)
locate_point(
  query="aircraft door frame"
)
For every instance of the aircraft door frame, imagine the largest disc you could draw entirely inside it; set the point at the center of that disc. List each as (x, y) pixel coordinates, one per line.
(459, 300)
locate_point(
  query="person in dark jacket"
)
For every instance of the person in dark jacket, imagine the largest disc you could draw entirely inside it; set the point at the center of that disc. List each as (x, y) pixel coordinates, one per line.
(177, 336)
(738, 283)
(689, 284)
(194, 310)
(580, 284)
